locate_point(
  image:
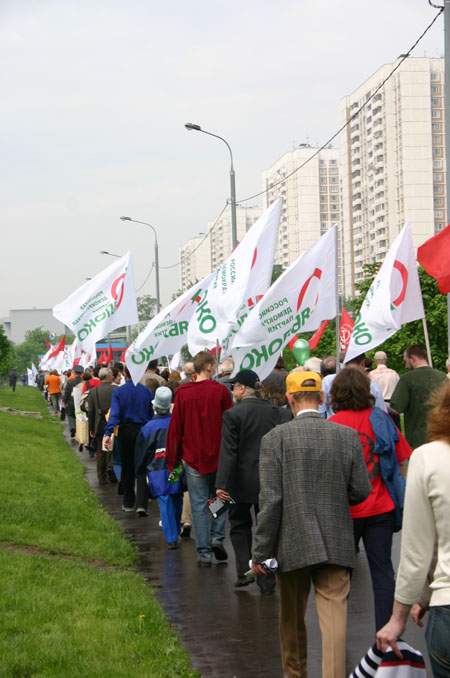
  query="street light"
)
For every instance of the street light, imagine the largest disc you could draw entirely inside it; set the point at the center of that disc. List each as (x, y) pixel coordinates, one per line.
(110, 254)
(158, 301)
(191, 126)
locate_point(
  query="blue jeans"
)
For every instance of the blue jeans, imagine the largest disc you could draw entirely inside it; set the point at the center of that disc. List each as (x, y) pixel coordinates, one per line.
(438, 643)
(376, 533)
(201, 489)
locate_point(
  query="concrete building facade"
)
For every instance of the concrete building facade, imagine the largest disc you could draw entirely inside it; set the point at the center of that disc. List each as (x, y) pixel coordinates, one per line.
(195, 257)
(21, 320)
(311, 198)
(392, 162)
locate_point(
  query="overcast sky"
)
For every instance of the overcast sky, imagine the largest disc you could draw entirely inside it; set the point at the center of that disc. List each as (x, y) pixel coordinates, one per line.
(95, 94)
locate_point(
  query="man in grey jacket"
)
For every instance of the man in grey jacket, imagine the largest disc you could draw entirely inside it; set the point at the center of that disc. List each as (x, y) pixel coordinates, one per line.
(311, 470)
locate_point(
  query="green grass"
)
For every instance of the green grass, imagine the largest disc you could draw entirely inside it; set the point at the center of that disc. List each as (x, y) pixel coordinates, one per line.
(61, 619)
(27, 399)
(59, 616)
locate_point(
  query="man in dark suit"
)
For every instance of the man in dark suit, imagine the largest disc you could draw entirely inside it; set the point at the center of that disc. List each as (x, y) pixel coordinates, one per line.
(310, 471)
(237, 476)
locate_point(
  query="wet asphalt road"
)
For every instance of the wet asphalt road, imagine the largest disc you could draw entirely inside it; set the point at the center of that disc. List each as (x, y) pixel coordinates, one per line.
(232, 633)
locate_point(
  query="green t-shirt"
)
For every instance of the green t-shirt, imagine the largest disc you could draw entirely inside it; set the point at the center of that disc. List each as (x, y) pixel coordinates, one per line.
(410, 396)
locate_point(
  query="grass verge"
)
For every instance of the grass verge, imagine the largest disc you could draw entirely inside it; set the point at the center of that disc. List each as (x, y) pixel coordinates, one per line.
(69, 617)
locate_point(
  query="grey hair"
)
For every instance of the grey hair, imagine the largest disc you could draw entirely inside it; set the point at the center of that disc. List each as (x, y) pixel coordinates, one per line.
(104, 373)
(380, 357)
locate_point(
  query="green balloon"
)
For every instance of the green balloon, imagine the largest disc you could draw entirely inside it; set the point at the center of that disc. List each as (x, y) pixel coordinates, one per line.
(301, 351)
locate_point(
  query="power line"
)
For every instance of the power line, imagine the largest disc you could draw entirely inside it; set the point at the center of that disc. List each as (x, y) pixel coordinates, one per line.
(352, 117)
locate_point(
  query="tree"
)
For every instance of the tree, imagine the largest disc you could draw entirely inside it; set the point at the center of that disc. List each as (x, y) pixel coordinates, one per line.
(6, 353)
(146, 307)
(28, 351)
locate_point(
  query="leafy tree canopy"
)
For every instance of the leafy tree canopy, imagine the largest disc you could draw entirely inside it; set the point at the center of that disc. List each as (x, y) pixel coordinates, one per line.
(146, 307)
(6, 353)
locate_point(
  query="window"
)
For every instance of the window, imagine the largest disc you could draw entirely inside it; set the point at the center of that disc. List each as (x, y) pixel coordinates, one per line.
(435, 89)
(437, 164)
(438, 214)
(322, 180)
(333, 189)
(435, 114)
(438, 227)
(323, 198)
(323, 217)
(436, 126)
(435, 76)
(437, 151)
(334, 215)
(437, 188)
(435, 101)
(332, 180)
(323, 225)
(333, 171)
(323, 189)
(437, 176)
(322, 170)
(437, 139)
(438, 202)
(334, 162)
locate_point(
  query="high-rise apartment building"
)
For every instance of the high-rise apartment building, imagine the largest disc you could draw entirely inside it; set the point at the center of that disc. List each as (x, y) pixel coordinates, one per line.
(392, 162)
(311, 198)
(195, 257)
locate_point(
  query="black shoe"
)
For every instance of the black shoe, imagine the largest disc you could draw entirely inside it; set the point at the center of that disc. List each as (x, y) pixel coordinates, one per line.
(173, 545)
(72, 433)
(204, 563)
(243, 581)
(80, 447)
(219, 552)
(120, 488)
(185, 530)
(111, 475)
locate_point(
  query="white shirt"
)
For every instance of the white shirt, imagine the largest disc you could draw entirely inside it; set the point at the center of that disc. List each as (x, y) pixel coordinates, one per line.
(426, 512)
(386, 379)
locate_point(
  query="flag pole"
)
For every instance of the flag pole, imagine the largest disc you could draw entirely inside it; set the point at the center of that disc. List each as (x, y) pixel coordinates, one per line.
(427, 341)
(338, 334)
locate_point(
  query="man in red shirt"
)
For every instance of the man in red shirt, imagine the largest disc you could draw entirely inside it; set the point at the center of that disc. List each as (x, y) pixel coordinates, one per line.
(194, 436)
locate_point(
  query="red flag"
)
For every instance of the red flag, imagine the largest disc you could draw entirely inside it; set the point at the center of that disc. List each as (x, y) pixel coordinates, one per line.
(47, 343)
(58, 348)
(102, 357)
(345, 330)
(317, 336)
(434, 256)
(109, 355)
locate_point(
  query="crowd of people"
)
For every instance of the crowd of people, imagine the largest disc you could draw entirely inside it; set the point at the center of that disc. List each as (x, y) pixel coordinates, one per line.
(315, 459)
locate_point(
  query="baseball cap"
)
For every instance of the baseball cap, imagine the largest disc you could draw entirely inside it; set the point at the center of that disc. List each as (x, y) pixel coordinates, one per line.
(295, 381)
(246, 378)
(163, 398)
(78, 369)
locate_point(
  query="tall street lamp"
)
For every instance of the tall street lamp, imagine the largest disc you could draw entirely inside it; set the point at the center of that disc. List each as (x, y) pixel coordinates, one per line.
(158, 301)
(110, 254)
(191, 126)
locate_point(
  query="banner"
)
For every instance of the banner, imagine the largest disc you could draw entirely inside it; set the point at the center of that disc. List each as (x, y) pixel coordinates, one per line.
(394, 298)
(237, 286)
(297, 302)
(167, 332)
(101, 305)
(30, 378)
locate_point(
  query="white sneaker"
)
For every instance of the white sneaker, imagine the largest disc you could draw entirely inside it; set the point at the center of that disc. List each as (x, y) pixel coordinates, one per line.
(142, 512)
(128, 509)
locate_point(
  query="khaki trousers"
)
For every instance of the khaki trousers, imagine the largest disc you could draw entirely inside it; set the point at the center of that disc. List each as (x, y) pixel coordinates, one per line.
(331, 588)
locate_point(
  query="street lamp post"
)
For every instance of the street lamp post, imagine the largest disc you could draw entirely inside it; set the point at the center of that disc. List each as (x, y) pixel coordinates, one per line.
(191, 126)
(158, 300)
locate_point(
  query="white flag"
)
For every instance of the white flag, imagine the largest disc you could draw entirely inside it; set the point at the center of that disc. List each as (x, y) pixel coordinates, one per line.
(237, 286)
(101, 304)
(30, 377)
(297, 302)
(167, 332)
(35, 372)
(394, 298)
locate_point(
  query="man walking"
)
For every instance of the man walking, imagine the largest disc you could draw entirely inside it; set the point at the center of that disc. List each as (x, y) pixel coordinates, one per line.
(54, 389)
(238, 476)
(99, 403)
(194, 436)
(310, 471)
(13, 379)
(68, 401)
(412, 392)
(131, 408)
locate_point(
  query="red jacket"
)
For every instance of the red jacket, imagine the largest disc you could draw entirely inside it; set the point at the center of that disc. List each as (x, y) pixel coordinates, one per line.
(195, 430)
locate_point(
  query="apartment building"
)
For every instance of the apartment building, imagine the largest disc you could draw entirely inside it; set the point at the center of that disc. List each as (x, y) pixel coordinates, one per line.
(195, 257)
(392, 162)
(311, 198)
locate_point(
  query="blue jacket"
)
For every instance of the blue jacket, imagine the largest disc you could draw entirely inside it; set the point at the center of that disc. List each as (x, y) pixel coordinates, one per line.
(150, 452)
(386, 435)
(130, 404)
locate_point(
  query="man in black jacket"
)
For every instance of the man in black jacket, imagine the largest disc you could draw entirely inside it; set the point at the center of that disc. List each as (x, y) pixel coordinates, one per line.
(237, 477)
(99, 403)
(74, 380)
